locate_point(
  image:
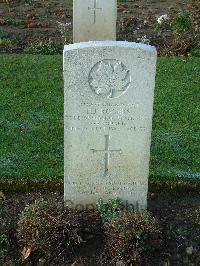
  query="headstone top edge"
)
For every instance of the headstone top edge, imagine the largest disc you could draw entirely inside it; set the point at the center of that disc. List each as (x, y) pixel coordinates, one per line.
(124, 44)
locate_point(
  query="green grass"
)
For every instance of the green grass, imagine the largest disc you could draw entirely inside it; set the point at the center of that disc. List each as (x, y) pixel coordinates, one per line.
(31, 118)
(176, 132)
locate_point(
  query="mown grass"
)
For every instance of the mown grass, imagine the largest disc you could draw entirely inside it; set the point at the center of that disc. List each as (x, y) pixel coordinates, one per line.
(31, 118)
(176, 125)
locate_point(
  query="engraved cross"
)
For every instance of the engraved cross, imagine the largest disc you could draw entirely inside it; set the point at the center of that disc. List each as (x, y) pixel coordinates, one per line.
(95, 9)
(107, 153)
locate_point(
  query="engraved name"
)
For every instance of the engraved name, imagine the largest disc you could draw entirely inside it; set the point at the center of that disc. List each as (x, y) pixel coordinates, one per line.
(106, 116)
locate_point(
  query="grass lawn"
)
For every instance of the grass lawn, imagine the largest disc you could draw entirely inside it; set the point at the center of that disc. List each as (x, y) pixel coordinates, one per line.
(31, 118)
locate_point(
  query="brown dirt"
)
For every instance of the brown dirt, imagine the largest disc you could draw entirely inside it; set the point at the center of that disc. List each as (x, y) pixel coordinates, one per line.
(177, 214)
(28, 21)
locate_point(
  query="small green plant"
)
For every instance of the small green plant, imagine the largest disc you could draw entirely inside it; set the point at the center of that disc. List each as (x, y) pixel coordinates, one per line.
(109, 210)
(197, 216)
(182, 232)
(128, 235)
(64, 29)
(127, 24)
(195, 52)
(50, 228)
(48, 48)
(183, 33)
(3, 246)
(162, 23)
(14, 22)
(45, 225)
(3, 35)
(182, 23)
(131, 27)
(5, 42)
(3, 239)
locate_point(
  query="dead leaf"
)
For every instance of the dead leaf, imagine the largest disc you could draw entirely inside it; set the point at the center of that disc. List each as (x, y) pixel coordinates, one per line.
(41, 262)
(2, 21)
(77, 263)
(32, 24)
(26, 252)
(9, 263)
(167, 263)
(2, 196)
(120, 263)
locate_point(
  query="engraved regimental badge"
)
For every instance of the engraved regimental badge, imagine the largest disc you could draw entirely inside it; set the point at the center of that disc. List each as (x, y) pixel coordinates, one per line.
(109, 78)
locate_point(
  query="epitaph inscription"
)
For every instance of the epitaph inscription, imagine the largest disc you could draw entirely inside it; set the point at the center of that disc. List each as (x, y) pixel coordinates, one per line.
(109, 78)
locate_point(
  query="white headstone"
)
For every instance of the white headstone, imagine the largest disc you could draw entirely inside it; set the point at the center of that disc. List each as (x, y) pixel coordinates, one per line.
(94, 20)
(109, 92)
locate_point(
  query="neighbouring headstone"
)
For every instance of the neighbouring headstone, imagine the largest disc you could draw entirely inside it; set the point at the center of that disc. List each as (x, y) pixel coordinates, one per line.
(94, 20)
(109, 92)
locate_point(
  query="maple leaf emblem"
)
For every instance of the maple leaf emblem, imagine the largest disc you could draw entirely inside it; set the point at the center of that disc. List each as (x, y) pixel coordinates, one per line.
(109, 78)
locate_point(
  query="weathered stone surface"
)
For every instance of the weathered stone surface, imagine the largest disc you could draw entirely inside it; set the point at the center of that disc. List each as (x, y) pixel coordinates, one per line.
(94, 20)
(109, 92)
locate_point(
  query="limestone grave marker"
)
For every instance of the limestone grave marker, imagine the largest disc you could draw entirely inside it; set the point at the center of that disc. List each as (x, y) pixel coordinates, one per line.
(109, 92)
(94, 20)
